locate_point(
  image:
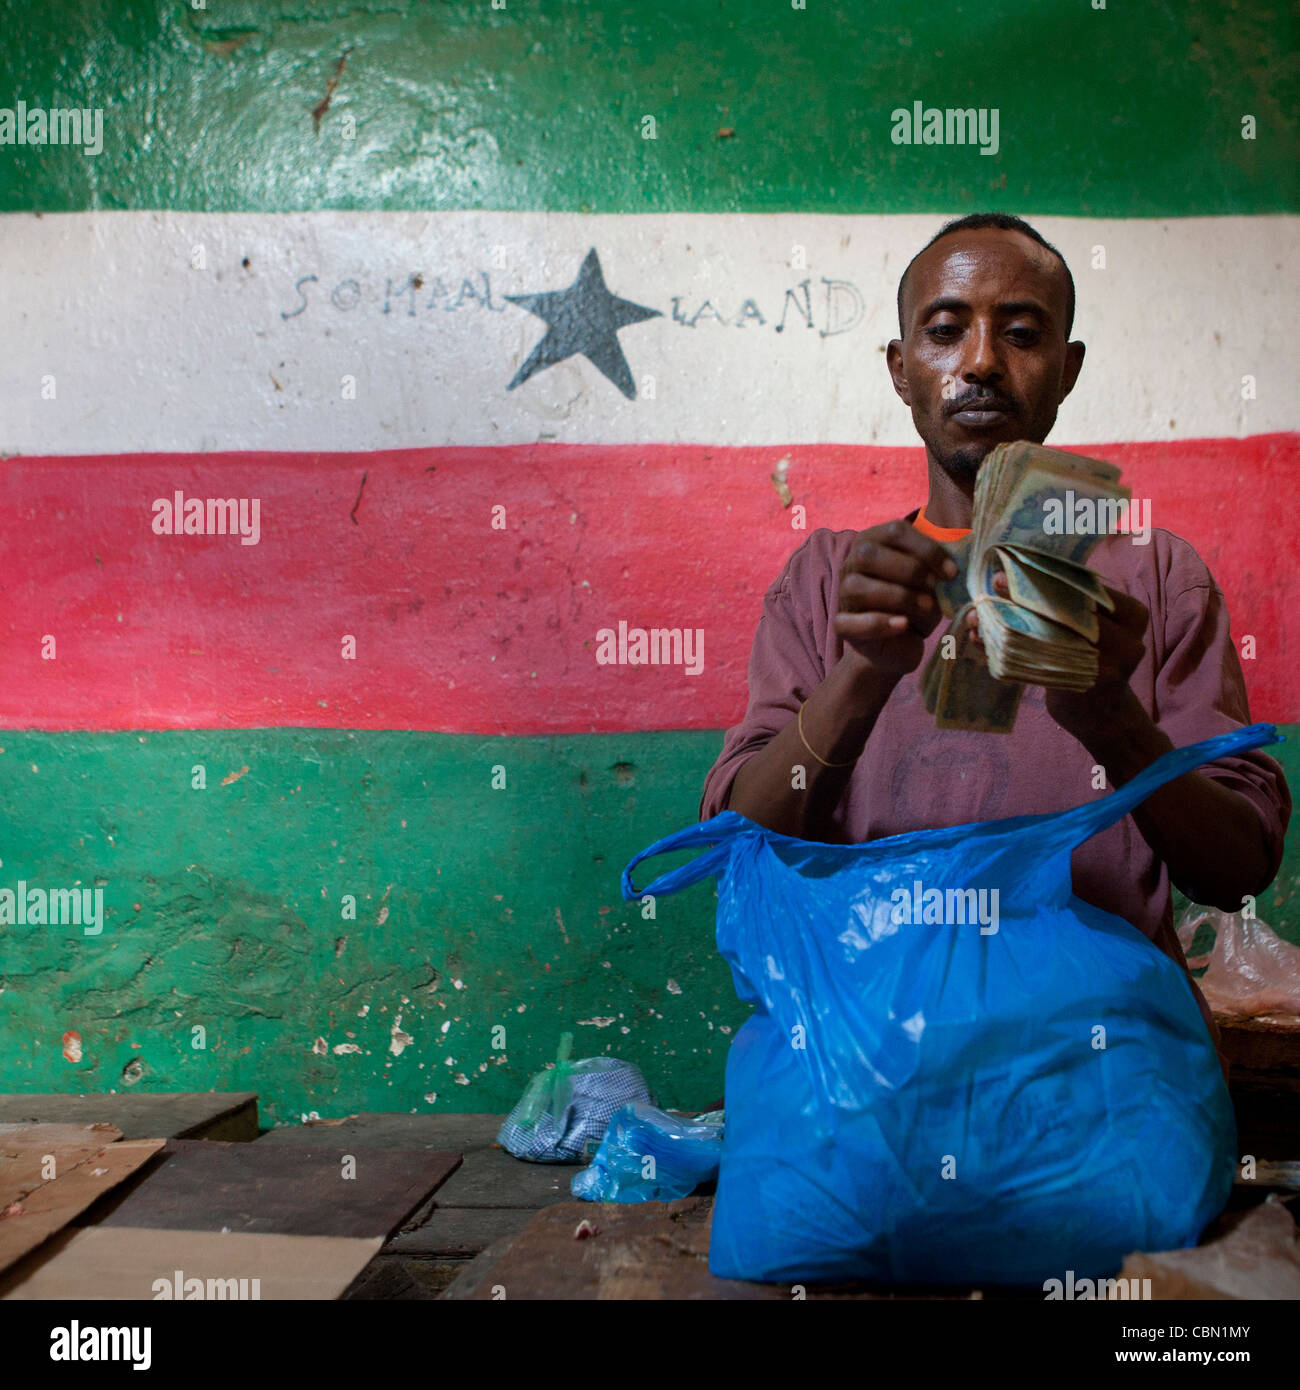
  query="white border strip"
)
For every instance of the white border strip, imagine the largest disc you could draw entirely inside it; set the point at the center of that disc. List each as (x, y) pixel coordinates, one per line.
(143, 352)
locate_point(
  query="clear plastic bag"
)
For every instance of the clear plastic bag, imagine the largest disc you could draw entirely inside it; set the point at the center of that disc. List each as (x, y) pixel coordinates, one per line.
(648, 1155)
(563, 1113)
(1250, 970)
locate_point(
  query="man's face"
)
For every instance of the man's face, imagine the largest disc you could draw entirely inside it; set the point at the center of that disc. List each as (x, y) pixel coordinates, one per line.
(983, 358)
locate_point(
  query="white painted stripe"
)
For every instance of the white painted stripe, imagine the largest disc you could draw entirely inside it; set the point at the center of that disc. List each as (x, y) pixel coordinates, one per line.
(146, 353)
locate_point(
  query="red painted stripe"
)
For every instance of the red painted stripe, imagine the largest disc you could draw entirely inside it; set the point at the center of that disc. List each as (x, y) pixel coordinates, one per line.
(467, 629)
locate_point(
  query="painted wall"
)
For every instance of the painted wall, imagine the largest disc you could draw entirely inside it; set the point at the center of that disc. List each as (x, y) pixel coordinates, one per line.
(368, 184)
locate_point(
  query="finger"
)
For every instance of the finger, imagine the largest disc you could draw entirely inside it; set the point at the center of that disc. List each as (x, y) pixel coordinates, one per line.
(904, 537)
(874, 627)
(1001, 585)
(860, 594)
(877, 560)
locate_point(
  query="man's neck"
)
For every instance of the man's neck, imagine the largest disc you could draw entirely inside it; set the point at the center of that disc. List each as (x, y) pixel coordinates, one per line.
(947, 505)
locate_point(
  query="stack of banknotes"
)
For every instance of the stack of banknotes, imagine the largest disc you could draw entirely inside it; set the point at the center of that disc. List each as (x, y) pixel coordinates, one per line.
(1038, 513)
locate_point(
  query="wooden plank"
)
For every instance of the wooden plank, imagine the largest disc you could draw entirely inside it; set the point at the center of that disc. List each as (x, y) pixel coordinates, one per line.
(649, 1250)
(396, 1279)
(449, 1132)
(1267, 1107)
(27, 1223)
(1270, 1043)
(494, 1178)
(24, 1150)
(1269, 1176)
(206, 1185)
(227, 1115)
(488, 1176)
(117, 1262)
(459, 1231)
(476, 1275)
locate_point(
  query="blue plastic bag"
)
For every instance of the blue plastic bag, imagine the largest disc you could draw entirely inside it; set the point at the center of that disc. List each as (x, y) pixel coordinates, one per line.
(648, 1155)
(947, 1103)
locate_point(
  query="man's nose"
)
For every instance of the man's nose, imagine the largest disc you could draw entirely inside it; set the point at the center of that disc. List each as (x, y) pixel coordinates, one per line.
(982, 360)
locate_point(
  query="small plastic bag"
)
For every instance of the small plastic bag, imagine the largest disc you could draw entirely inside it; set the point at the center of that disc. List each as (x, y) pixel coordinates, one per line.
(1250, 969)
(566, 1109)
(648, 1155)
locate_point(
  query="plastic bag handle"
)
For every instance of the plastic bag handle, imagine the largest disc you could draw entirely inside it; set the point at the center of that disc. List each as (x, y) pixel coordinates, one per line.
(1074, 827)
(720, 833)
(549, 1089)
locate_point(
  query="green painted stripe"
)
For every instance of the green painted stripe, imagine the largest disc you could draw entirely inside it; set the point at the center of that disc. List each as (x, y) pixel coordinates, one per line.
(222, 910)
(1128, 111)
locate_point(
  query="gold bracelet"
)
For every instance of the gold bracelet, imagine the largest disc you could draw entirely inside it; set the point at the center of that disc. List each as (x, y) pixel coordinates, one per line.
(818, 756)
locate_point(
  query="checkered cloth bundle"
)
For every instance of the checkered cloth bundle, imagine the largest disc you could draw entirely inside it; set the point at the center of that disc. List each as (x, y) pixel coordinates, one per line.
(566, 1109)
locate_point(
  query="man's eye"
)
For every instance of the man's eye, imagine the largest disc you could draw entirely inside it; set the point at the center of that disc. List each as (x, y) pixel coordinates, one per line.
(943, 332)
(1024, 336)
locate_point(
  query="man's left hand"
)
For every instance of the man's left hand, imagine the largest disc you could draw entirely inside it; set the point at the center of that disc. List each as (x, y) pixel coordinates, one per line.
(1120, 647)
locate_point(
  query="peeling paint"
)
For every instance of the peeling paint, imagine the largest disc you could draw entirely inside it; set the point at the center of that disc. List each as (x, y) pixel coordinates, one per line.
(779, 482)
(400, 1041)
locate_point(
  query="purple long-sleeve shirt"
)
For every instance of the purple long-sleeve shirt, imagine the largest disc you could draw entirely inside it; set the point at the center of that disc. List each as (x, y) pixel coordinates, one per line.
(912, 776)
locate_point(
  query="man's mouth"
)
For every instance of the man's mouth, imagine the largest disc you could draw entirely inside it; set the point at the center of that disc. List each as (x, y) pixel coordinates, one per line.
(982, 412)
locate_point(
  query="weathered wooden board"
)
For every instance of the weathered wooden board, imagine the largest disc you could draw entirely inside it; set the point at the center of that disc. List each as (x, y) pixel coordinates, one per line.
(26, 1223)
(228, 1115)
(449, 1133)
(99, 1262)
(401, 1279)
(492, 1178)
(488, 1177)
(649, 1250)
(24, 1148)
(1270, 1043)
(1264, 1082)
(206, 1185)
(459, 1231)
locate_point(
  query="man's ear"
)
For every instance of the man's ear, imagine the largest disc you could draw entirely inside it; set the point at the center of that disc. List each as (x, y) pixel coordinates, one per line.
(894, 361)
(1073, 366)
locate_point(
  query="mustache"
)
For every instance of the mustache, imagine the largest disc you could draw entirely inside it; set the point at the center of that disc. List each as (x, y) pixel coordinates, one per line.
(983, 400)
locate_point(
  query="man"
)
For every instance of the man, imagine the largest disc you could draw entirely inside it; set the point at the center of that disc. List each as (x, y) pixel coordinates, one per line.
(985, 312)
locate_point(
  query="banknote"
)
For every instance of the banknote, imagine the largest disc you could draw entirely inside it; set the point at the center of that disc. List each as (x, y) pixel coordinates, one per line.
(1037, 515)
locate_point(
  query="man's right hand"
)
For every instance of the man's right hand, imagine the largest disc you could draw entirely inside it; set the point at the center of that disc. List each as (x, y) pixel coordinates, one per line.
(887, 602)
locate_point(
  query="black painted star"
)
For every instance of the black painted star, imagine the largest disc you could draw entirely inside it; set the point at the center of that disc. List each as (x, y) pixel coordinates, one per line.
(584, 318)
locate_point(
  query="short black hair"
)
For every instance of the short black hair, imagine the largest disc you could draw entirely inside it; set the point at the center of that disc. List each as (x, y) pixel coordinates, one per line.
(1005, 222)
